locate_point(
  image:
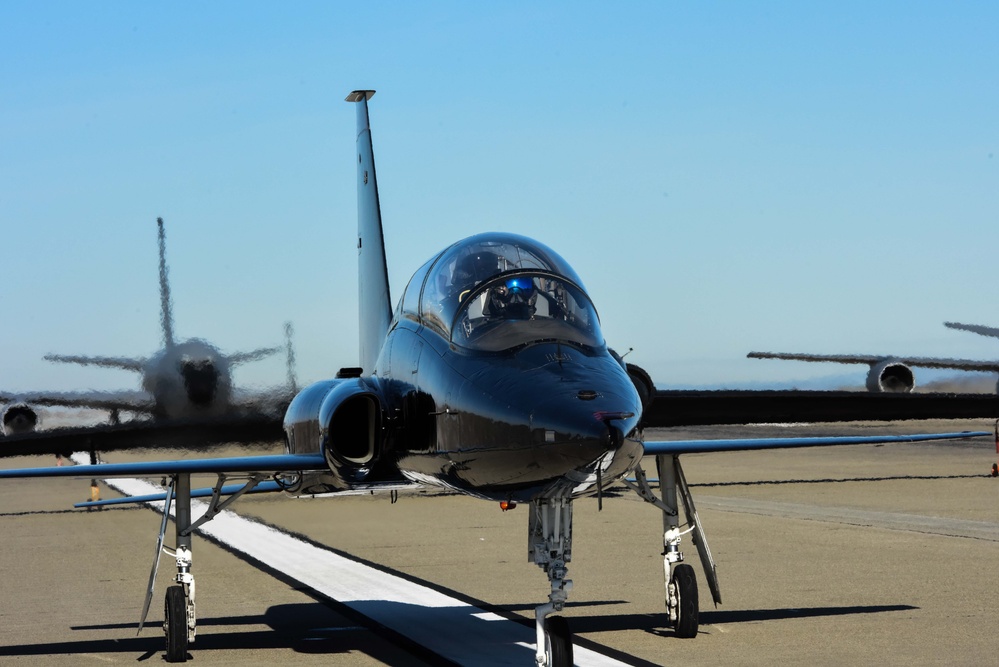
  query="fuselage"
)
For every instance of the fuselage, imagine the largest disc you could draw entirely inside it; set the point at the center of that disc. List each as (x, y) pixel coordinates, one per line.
(188, 379)
(542, 419)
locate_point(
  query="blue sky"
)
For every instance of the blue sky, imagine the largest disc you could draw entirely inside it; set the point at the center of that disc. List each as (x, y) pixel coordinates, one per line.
(818, 177)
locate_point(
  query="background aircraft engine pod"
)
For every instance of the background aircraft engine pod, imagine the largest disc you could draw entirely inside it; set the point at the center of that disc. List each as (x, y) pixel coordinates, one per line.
(19, 418)
(350, 420)
(891, 377)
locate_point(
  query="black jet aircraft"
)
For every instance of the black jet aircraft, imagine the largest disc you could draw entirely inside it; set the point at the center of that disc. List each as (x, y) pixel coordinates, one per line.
(490, 378)
(186, 382)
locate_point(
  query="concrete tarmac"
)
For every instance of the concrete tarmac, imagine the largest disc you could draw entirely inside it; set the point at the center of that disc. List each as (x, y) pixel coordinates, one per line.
(867, 555)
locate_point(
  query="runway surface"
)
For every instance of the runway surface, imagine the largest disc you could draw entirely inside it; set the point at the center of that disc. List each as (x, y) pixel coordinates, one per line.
(860, 554)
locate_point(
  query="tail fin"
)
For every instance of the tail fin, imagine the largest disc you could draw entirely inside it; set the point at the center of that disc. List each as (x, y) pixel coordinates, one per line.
(166, 307)
(375, 304)
(289, 332)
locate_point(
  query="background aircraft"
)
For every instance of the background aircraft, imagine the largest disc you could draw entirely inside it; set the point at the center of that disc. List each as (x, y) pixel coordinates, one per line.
(492, 379)
(186, 380)
(893, 374)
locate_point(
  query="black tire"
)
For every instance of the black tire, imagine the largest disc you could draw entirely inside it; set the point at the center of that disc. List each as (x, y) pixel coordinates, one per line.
(686, 589)
(175, 624)
(558, 641)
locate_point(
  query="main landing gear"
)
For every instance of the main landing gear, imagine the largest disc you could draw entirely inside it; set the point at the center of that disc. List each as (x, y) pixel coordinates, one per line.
(179, 617)
(681, 585)
(550, 547)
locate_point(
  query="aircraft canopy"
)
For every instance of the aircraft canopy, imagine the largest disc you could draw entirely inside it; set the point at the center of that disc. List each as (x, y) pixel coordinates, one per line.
(496, 291)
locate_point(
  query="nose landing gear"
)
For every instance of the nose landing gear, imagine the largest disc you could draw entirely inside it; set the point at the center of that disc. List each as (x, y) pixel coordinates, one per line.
(550, 528)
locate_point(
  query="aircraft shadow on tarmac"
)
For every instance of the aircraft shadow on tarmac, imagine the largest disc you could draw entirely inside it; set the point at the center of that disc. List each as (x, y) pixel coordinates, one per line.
(316, 628)
(653, 623)
(303, 628)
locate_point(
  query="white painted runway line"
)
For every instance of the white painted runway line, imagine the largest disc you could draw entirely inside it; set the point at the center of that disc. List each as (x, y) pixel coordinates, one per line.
(450, 628)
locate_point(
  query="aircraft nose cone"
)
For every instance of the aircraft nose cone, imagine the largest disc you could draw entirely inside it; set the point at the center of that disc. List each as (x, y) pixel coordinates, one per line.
(582, 426)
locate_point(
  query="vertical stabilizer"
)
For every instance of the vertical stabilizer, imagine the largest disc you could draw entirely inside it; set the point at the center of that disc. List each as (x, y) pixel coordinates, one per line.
(289, 349)
(166, 307)
(375, 304)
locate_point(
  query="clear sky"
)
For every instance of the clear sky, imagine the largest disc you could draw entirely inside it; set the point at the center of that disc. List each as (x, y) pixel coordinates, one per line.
(725, 177)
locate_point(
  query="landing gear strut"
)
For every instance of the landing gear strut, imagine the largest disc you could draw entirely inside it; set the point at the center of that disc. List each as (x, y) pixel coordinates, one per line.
(681, 585)
(179, 618)
(550, 548)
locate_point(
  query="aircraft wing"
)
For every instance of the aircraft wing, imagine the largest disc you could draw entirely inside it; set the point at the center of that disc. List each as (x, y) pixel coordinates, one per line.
(870, 359)
(227, 490)
(133, 401)
(836, 358)
(991, 332)
(195, 434)
(243, 357)
(732, 445)
(125, 363)
(271, 486)
(238, 464)
(688, 408)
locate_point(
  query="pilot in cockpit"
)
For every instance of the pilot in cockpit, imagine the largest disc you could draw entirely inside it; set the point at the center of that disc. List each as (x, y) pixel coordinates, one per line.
(514, 299)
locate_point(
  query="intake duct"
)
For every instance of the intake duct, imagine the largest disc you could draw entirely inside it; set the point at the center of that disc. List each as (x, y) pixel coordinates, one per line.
(344, 420)
(351, 416)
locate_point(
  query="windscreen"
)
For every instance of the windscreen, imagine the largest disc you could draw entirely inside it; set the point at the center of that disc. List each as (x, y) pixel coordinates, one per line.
(520, 308)
(489, 279)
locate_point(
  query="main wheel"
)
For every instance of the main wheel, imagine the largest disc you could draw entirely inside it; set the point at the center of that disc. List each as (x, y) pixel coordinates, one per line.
(558, 642)
(175, 624)
(686, 591)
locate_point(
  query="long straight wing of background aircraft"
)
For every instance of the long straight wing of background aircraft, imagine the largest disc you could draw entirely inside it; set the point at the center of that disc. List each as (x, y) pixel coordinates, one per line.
(891, 373)
(186, 380)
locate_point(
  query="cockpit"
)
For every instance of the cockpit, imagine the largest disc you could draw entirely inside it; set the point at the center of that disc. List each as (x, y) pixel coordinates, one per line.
(493, 292)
